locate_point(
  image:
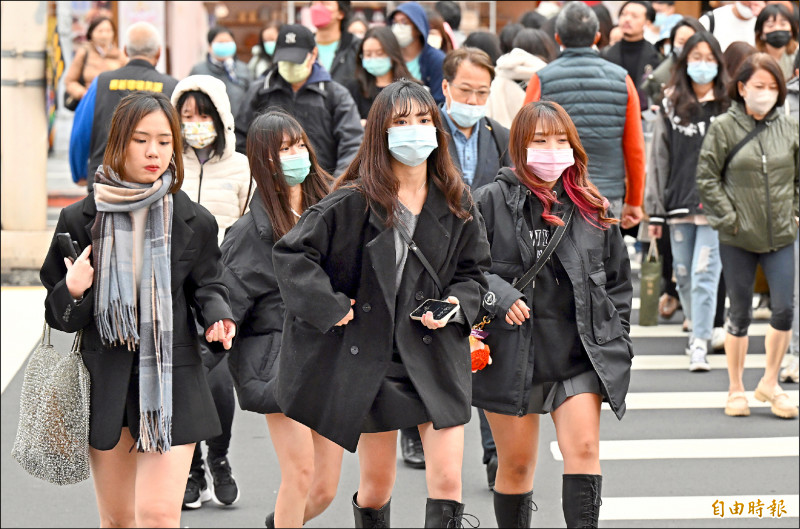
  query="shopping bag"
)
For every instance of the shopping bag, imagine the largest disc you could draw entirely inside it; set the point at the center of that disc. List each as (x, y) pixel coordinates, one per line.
(650, 286)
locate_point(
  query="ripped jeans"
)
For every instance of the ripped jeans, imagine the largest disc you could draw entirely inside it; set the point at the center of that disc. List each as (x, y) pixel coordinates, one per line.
(697, 265)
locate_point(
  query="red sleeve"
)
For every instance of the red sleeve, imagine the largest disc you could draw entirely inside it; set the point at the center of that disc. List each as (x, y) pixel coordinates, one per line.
(534, 90)
(633, 148)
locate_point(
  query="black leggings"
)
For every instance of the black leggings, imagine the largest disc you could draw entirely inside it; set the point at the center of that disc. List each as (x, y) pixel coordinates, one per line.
(221, 384)
(739, 269)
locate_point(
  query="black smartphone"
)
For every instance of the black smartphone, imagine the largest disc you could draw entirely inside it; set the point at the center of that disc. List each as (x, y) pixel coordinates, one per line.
(442, 310)
(68, 247)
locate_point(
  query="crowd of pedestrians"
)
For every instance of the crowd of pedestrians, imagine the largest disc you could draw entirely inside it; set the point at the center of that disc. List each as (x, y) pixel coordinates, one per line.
(265, 232)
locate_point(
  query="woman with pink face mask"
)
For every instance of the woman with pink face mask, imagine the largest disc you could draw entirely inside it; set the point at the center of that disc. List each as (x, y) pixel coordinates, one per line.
(747, 177)
(560, 345)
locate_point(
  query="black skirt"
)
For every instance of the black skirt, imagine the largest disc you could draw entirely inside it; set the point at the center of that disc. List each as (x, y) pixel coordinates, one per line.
(545, 397)
(397, 404)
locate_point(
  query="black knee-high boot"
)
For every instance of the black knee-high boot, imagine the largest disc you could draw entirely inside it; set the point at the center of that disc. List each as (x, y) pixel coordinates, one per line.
(443, 513)
(580, 499)
(366, 517)
(514, 510)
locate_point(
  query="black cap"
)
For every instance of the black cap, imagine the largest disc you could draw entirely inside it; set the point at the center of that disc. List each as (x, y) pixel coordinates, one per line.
(295, 42)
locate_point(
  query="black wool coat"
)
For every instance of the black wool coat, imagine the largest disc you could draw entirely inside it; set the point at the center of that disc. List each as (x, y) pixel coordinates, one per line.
(598, 266)
(328, 376)
(257, 305)
(196, 280)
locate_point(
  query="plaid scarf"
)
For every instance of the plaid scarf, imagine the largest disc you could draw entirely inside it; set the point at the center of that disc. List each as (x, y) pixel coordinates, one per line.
(115, 296)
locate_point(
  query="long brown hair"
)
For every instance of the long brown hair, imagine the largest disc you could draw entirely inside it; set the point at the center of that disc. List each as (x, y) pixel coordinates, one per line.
(264, 139)
(371, 171)
(391, 48)
(553, 119)
(127, 115)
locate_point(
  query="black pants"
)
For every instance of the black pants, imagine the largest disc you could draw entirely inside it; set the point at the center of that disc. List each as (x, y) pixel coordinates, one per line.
(487, 441)
(221, 384)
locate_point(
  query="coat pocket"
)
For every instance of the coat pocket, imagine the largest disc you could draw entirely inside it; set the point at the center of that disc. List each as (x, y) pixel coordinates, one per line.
(605, 319)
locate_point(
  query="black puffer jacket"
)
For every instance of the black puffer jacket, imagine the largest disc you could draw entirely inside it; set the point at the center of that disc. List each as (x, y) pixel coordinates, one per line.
(257, 305)
(598, 267)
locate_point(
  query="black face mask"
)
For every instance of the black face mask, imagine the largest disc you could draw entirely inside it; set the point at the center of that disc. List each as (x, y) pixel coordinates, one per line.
(778, 39)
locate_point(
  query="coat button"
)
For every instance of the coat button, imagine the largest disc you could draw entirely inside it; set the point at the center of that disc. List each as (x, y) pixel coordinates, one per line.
(601, 340)
(427, 339)
(419, 295)
(366, 307)
(354, 350)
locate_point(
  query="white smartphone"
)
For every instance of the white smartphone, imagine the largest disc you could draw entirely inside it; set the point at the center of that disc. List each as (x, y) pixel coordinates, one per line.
(442, 310)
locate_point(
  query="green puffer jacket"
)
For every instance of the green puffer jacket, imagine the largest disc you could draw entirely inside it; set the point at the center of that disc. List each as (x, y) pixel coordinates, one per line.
(754, 206)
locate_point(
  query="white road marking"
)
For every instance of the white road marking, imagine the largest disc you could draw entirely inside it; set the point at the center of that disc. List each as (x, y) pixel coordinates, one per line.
(696, 507)
(653, 449)
(668, 400)
(675, 331)
(681, 361)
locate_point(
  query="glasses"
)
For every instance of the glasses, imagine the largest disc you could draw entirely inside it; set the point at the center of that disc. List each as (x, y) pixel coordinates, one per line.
(481, 95)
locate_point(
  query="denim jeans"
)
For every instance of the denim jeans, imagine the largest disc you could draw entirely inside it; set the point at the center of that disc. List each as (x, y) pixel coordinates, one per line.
(697, 265)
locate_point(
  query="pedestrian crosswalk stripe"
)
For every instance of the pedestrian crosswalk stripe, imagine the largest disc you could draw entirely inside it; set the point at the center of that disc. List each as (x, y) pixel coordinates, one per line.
(681, 361)
(666, 400)
(675, 331)
(695, 507)
(693, 448)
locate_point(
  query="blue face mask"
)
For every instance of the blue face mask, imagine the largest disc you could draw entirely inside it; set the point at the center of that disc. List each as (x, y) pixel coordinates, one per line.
(295, 168)
(412, 144)
(702, 72)
(466, 115)
(377, 66)
(269, 47)
(223, 50)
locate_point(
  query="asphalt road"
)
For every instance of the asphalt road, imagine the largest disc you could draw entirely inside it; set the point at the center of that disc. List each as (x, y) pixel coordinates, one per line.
(672, 456)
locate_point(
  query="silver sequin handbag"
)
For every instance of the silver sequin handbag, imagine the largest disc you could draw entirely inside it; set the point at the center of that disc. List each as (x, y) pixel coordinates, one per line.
(52, 441)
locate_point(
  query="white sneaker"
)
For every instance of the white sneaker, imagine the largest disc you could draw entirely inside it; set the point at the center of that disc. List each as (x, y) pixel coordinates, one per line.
(791, 373)
(718, 339)
(698, 361)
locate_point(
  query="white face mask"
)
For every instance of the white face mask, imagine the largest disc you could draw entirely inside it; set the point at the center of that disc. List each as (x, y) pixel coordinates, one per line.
(403, 33)
(760, 101)
(435, 41)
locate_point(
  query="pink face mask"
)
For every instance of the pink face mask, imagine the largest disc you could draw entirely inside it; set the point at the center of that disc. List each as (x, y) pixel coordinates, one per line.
(548, 164)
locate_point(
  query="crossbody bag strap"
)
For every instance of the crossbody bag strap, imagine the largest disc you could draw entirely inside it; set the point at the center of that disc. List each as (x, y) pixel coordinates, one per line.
(530, 275)
(761, 125)
(415, 249)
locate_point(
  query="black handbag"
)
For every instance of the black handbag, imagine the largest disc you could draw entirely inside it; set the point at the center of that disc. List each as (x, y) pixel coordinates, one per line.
(71, 103)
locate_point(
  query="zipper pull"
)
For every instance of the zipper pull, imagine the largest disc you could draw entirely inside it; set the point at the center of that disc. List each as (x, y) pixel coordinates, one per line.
(764, 163)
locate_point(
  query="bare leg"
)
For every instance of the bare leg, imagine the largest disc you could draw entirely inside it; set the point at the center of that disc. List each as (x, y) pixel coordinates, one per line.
(327, 468)
(295, 450)
(517, 441)
(160, 485)
(377, 457)
(735, 353)
(776, 343)
(114, 476)
(444, 456)
(577, 423)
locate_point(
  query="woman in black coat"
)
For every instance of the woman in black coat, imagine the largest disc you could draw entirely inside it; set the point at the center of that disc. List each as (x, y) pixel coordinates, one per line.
(130, 293)
(289, 181)
(560, 346)
(354, 366)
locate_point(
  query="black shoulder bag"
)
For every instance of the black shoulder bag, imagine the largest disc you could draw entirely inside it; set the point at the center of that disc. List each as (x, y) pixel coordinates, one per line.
(480, 351)
(71, 103)
(760, 126)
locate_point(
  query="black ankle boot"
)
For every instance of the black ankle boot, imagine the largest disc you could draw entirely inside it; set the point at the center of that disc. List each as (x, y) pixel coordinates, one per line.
(580, 499)
(366, 517)
(445, 513)
(514, 510)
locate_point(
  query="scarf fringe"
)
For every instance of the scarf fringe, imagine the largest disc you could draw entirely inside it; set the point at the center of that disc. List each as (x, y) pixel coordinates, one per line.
(155, 432)
(118, 325)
